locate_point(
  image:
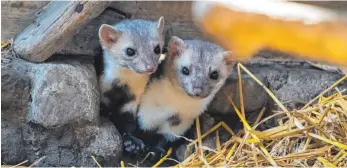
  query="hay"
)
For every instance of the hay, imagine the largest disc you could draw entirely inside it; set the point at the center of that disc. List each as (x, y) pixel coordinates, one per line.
(163, 159)
(96, 162)
(315, 135)
(5, 43)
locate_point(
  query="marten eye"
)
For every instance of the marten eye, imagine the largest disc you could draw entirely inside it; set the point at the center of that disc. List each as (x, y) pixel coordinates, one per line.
(214, 75)
(130, 52)
(185, 71)
(157, 49)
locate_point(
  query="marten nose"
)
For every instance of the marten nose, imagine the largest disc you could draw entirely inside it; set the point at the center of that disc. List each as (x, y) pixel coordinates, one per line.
(197, 91)
(150, 68)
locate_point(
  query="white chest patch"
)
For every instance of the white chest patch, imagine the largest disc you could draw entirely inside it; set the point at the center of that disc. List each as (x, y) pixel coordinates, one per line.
(161, 101)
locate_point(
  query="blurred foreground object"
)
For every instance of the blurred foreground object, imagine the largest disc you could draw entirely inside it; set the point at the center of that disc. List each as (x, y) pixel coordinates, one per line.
(245, 27)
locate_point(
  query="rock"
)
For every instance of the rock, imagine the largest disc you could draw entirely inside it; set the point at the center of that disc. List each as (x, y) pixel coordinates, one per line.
(64, 92)
(102, 141)
(51, 110)
(296, 84)
(15, 93)
(64, 146)
(50, 94)
(12, 144)
(71, 145)
(254, 96)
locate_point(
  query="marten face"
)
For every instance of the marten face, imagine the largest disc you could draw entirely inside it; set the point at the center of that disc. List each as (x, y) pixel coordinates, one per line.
(201, 67)
(135, 44)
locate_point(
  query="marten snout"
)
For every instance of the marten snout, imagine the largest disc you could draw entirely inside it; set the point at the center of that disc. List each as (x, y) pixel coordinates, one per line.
(197, 91)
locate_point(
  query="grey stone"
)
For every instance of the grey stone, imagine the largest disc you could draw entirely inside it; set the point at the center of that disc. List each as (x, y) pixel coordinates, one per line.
(296, 84)
(12, 144)
(15, 93)
(254, 96)
(50, 94)
(64, 92)
(52, 109)
(102, 141)
(74, 145)
(64, 146)
(58, 145)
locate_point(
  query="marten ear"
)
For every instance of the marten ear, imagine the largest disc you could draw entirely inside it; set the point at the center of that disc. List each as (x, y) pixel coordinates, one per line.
(176, 46)
(108, 35)
(160, 26)
(229, 58)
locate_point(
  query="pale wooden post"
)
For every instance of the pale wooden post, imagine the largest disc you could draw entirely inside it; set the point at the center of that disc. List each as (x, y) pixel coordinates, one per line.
(54, 27)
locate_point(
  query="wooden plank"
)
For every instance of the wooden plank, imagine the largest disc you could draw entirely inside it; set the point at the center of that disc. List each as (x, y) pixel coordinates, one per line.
(55, 27)
(17, 15)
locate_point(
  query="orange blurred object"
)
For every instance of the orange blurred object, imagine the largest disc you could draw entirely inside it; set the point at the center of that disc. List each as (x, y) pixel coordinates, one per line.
(314, 34)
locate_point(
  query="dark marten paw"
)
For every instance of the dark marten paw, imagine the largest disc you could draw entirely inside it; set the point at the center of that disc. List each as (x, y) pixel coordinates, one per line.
(133, 145)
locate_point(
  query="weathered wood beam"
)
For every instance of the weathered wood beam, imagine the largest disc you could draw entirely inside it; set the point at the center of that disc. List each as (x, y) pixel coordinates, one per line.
(54, 27)
(17, 15)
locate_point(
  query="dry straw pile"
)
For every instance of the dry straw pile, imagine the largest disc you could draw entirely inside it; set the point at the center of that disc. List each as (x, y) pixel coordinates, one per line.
(315, 135)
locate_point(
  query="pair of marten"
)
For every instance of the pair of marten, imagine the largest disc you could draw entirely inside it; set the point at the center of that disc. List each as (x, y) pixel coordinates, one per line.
(153, 102)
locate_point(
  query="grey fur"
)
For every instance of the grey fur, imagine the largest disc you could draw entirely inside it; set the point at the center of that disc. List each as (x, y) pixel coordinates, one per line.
(201, 58)
(142, 36)
(170, 102)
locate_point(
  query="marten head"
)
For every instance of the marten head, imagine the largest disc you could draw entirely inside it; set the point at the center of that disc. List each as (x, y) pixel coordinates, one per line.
(135, 44)
(200, 68)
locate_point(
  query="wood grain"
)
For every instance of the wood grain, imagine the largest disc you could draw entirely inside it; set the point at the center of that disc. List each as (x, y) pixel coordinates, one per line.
(54, 27)
(17, 15)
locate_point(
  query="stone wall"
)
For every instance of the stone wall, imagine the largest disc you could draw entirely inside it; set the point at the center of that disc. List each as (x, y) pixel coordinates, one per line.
(52, 109)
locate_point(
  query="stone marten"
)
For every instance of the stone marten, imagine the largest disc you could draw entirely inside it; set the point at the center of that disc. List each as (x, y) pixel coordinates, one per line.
(131, 52)
(181, 89)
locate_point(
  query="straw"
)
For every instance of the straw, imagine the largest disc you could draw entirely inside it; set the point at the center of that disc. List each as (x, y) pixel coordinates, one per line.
(97, 163)
(312, 136)
(163, 158)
